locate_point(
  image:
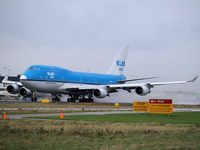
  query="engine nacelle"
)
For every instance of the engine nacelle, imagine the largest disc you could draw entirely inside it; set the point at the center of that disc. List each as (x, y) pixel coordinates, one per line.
(100, 93)
(25, 92)
(142, 90)
(13, 89)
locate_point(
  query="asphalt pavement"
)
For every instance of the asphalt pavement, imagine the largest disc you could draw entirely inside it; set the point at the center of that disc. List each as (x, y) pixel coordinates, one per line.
(96, 112)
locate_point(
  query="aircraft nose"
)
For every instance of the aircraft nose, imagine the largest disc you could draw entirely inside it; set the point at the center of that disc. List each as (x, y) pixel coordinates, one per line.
(23, 77)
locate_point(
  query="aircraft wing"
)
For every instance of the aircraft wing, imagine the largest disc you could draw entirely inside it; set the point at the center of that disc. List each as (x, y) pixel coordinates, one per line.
(134, 85)
(136, 79)
(127, 87)
(6, 81)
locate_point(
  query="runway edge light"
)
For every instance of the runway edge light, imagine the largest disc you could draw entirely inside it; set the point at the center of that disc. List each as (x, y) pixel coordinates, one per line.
(61, 115)
(4, 116)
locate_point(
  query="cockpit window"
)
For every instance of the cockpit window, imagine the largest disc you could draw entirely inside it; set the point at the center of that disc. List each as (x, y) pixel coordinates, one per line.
(32, 68)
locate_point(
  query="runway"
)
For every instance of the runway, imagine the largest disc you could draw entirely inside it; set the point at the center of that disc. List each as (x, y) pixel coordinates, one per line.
(119, 111)
(71, 109)
(94, 109)
(20, 116)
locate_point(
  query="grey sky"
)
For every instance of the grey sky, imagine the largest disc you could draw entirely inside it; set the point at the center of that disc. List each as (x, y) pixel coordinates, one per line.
(164, 36)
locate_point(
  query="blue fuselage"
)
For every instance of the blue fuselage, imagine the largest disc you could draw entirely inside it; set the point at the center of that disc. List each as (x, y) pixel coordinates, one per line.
(57, 74)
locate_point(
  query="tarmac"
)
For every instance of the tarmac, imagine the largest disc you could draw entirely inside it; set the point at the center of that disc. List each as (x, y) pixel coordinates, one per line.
(20, 116)
(97, 112)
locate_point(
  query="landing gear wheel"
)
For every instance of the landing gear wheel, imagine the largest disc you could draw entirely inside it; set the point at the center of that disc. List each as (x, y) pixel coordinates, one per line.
(34, 99)
(55, 99)
(86, 98)
(81, 98)
(91, 100)
(71, 98)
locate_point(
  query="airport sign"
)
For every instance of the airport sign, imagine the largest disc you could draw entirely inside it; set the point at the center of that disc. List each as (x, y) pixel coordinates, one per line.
(160, 106)
(140, 106)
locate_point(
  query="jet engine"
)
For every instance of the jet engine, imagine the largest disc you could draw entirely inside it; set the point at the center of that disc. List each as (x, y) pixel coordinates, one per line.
(142, 90)
(25, 92)
(100, 93)
(13, 89)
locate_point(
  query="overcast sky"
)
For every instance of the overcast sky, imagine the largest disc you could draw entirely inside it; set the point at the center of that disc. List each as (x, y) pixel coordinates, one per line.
(82, 35)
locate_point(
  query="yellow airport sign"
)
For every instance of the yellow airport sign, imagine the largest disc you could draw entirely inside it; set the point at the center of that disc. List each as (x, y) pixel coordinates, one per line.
(140, 106)
(160, 106)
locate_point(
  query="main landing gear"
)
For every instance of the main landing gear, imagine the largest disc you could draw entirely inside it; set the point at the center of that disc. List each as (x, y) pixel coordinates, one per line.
(81, 98)
(55, 98)
(34, 98)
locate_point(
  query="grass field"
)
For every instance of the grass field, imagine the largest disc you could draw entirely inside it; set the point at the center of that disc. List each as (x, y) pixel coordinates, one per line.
(174, 118)
(180, 131)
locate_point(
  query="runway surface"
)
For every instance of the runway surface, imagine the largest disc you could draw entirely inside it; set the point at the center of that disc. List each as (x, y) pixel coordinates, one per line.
(20, 116)
(92, 109)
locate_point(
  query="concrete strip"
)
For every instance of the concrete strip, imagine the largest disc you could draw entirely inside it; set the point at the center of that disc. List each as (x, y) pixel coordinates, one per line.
(71, 109)
(20, 116)
(94, 109)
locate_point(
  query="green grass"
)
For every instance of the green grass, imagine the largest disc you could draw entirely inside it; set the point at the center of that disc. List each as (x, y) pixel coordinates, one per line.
(175, 118)
(86, 135)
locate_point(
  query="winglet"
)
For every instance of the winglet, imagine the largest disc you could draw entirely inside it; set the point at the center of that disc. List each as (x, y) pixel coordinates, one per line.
(193, 80)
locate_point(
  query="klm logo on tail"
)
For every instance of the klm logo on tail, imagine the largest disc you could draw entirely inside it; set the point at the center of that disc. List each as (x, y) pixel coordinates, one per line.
(120, 63)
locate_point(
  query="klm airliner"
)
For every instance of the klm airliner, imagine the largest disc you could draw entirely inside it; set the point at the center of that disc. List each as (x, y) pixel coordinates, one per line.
(84, 86)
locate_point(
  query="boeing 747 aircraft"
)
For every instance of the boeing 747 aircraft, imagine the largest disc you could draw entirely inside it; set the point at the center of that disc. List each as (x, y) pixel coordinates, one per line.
(83, 86)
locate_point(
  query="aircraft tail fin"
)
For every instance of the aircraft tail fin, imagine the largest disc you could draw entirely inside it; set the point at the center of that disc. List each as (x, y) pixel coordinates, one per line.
(119, 63)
